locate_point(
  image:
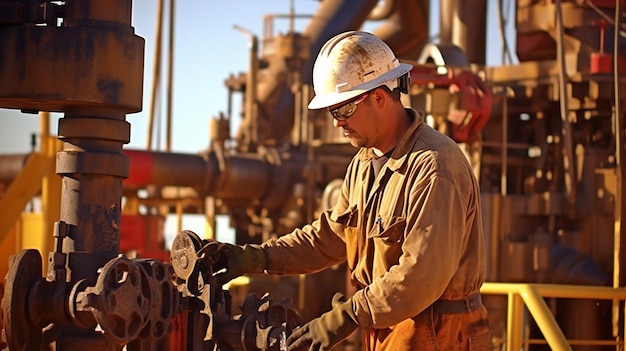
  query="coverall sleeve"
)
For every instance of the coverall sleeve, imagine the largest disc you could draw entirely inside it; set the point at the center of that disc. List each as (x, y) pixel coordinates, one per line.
(314, 247)
(431, 251)
(307, 250)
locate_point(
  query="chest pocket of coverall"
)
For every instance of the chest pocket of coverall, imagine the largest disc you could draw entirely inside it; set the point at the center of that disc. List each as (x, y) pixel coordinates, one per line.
(348, 219)
(387, 236)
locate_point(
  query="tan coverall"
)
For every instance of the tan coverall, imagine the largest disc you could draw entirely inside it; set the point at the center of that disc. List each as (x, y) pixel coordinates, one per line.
(412, 238)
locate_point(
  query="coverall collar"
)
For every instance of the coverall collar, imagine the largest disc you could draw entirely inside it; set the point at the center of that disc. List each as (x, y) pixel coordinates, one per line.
(398, 157)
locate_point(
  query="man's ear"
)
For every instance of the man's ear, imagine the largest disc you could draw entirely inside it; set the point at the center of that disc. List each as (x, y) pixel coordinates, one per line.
(379, 98)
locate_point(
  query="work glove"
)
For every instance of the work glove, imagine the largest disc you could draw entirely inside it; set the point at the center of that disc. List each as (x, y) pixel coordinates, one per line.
(326, 331)
(231, 261)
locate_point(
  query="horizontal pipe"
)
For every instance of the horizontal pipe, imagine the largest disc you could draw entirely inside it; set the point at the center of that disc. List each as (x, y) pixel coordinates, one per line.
(166, 169)
(241, 176)
(557, 290)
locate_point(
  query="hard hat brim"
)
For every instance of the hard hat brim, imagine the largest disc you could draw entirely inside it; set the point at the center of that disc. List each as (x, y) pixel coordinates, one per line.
(326, 100)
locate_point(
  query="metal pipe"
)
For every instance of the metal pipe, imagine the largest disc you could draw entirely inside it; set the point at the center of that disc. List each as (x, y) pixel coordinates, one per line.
(228, 178)
(170, 79)
(406, 29)
(463, 23)
(156, 73)
(22, 190)
(168, 169)
(542, 315)
(506, 51)
(515, 321)
(251, 117)
(566, 128)
(618, 235)
(504, 145)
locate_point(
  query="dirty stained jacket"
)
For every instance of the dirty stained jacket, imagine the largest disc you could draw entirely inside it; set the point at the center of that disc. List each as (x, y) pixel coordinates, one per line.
(411, 237)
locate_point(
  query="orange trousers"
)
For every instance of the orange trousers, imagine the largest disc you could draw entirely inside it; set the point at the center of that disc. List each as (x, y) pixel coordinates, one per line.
(430, 331)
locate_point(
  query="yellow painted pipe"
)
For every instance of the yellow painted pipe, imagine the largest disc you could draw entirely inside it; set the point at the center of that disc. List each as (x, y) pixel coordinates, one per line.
(515, 322)
(532, 296)
(543, 317)
(557, 290)
(23, 188)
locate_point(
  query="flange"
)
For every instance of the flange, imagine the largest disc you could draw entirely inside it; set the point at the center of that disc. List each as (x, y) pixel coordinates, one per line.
(25, 270)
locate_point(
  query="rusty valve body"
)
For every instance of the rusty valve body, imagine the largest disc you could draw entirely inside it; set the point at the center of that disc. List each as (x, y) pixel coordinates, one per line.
(263, 324)
(132, 299)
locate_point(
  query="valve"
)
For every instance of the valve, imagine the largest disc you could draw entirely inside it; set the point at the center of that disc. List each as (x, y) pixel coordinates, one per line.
(131, 299)
(264, 323)
(21, 331)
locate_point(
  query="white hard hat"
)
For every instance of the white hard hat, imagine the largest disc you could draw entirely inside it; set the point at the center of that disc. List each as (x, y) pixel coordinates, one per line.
(350, 64)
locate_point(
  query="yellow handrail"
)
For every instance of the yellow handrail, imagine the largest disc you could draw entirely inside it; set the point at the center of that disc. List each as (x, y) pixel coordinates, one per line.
(532, 296)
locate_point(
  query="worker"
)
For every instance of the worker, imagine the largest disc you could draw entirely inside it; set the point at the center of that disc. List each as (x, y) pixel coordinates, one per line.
(407, 220)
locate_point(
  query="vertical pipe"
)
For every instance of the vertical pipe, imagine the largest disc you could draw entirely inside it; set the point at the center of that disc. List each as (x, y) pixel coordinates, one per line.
(310, 152)
(446, 15)
(210, 219)
(251, 117)
(298, 124)
(156, 72)
(251, 88)
(506, 52)
(44, 126)
(92, 171)
(464, 24)
(170, 74)
(505, 144)
(566, 128)
(619, 163)
(179, 216)
(51, 184)
(515, 322)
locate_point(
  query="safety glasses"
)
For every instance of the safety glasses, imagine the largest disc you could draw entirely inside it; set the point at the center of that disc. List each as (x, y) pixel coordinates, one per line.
(346, 110)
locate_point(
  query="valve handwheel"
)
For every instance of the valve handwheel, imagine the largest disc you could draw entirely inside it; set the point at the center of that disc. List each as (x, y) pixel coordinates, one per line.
(121, 303)
(25, 270)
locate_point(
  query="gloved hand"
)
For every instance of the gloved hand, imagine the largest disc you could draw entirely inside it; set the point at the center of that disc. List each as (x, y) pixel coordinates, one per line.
(231, 261)
(326, 331)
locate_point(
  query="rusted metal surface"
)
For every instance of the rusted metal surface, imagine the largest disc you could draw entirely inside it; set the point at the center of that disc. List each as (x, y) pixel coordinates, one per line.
(263, 324)
(22, 332)
(60, 68)
(132, 299)
(83, 59)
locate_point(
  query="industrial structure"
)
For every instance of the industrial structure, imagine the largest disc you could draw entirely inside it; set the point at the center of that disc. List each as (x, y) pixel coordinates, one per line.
(545, 137)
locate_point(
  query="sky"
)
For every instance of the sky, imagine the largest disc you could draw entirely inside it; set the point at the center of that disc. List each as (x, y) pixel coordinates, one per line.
(207, 49)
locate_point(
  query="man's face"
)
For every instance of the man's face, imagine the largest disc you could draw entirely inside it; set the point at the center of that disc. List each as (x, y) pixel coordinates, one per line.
(361, 127)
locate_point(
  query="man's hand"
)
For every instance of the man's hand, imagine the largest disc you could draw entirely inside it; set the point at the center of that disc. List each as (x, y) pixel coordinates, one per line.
(326, 331)
(231, 261)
